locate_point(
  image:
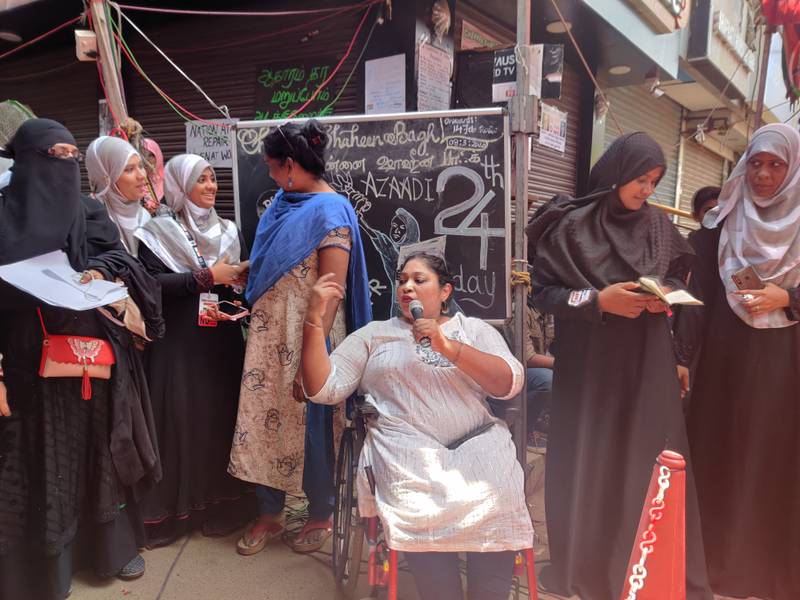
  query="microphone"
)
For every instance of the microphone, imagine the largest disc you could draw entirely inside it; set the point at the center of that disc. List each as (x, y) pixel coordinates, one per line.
(415, 306)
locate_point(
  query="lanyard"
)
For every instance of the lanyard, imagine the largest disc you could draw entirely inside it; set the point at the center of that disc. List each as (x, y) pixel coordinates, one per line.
(192, 243)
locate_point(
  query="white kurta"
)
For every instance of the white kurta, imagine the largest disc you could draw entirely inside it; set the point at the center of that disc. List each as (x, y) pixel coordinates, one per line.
(430, 498)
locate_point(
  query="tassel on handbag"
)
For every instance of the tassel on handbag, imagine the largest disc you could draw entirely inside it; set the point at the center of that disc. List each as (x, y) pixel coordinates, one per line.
(75, 356)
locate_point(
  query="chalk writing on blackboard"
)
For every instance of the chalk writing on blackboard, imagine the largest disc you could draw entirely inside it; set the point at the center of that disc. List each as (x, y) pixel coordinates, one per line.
(410, 180)
(281, 91)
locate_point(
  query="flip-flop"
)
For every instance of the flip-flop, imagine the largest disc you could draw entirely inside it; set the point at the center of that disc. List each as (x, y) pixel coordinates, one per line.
(302, 544)
(246, 546)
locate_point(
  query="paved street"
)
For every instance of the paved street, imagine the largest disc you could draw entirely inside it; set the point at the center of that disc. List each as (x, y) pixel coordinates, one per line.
(202, 568)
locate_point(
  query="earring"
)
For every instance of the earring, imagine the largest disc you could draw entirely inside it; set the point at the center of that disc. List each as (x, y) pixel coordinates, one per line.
(445, 307)
(289, 183)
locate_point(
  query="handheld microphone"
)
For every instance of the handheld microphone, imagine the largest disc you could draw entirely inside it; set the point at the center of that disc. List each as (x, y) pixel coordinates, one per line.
(415, 306)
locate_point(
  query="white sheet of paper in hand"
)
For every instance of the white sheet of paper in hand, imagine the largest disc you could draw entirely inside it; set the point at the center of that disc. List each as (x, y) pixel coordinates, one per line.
(50, 278)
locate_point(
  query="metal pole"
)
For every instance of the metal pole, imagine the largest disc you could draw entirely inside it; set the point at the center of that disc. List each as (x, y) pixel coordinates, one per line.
(519, 120)
(766, 44)
(105, 48)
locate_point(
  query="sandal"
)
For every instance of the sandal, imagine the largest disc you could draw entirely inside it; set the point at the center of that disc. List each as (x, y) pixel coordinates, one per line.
(312, 536)
(247, 546)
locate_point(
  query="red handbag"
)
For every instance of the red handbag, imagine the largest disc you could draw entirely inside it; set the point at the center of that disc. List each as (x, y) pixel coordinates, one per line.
(75, 356)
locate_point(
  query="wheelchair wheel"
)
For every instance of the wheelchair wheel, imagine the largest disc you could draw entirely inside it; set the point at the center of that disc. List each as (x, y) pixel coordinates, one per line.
(348, 535)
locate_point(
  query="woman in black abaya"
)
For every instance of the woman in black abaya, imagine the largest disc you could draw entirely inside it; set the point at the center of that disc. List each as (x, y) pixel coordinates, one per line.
(194, 372)
(616, 400)
(744, 415)
(70, 470)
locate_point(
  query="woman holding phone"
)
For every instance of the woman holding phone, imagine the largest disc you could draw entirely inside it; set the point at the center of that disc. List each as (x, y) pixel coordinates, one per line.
(616, 402)
(194, 371)
(744, 345)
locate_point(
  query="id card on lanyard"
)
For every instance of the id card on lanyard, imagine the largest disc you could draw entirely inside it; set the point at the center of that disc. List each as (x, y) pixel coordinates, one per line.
(207, 301)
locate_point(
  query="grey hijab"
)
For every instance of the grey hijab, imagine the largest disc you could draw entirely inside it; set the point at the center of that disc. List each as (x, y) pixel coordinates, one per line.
(177, 236)
(106, 159)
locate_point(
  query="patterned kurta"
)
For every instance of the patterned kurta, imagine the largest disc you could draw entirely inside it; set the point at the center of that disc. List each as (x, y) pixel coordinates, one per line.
(428, 497)
(269, 439)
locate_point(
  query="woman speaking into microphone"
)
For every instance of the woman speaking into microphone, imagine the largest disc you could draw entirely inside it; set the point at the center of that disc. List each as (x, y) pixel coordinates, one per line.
(447, 478)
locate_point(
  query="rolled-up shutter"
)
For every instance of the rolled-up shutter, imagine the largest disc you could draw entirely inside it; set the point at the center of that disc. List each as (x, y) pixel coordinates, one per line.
(701, 168)
(637, 110)
(56, 86)
(552, 172)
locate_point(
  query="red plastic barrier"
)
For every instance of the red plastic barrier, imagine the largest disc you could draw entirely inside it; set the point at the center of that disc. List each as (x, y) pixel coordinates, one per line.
(657, 568)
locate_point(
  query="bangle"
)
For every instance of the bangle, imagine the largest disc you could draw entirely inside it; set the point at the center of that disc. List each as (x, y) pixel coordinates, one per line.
(310, 324)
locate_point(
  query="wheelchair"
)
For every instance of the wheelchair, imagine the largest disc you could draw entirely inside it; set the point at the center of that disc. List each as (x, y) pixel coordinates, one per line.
(351, 531)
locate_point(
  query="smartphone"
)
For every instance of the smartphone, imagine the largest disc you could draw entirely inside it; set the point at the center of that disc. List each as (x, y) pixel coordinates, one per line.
(233, 311)
(747, 279)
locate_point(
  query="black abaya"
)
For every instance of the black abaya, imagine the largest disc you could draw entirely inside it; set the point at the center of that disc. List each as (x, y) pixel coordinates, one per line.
(61, 501)
(194, 374)
(744, 430)
(616, 398)
(616, 406)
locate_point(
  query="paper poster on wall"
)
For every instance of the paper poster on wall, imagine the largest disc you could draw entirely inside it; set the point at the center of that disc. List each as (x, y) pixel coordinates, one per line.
(433, 79)
(211, 141)
(385, 85)
(553, 129)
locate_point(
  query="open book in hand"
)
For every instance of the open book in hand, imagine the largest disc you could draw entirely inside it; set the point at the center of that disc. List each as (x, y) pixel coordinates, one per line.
(653, 286)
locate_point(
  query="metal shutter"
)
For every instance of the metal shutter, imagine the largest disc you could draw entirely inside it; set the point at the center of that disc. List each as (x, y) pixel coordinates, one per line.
(552, 172)
(228, 75)
(637, 110)
(56, 86)
(701, 168)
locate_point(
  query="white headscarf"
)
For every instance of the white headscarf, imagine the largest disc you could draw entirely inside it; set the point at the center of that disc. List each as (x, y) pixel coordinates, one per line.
(106, 159)
(762, 232)
(215, 237)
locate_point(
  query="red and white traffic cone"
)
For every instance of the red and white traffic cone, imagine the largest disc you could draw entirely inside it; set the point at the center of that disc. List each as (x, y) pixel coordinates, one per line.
(657, 568)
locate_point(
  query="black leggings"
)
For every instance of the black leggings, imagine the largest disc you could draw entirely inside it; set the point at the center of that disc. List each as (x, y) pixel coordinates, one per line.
(436, 574)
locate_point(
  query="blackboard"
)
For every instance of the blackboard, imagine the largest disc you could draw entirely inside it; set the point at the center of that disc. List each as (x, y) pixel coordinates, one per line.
(410, 177)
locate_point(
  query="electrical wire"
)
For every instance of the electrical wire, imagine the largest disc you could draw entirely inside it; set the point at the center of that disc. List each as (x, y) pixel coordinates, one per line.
(264, 36)
(222, 13)
(109, 104)
(338, 66)
(41, 37)
(355, 67)
(586, 66)
(221, 108)
(123, 46)
(105, 95)
(174, 105)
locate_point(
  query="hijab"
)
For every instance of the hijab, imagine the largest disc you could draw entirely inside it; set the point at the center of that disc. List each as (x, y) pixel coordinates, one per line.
(594, 241)
(762, 232)
(165, 235)
(41, 209)
(106, 160)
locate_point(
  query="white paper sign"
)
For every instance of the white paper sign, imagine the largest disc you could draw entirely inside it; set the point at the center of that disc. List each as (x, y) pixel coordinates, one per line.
(385, 85)
(212, 142)
(433, 78)
(51, 279)
(553, 129)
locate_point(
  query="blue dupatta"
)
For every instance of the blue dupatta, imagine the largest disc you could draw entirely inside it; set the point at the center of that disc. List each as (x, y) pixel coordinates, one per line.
(290, 229)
